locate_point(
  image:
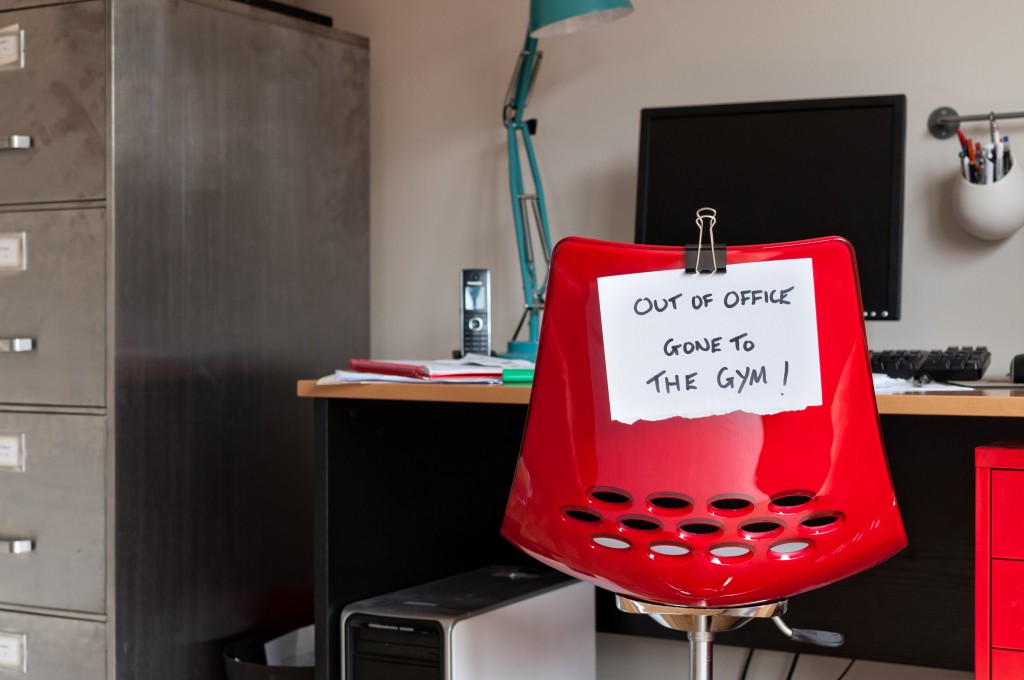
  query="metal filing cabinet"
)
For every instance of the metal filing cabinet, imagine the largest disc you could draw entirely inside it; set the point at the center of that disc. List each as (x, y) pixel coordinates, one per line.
(183, 234)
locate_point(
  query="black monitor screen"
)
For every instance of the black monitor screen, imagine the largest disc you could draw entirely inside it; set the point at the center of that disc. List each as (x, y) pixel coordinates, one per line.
(782, 171)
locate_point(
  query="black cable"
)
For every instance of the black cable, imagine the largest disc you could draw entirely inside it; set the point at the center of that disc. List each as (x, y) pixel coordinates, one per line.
(846, 670)
(746, 666)
(792, 666)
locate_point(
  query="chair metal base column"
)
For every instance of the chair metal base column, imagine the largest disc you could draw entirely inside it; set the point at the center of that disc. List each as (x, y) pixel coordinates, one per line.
(701, 649)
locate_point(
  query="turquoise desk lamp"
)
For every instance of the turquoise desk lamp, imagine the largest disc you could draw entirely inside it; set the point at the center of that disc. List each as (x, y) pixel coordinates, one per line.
(547, 18)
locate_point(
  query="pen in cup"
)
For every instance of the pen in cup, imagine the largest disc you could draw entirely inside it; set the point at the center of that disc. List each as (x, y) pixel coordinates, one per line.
(999, 159)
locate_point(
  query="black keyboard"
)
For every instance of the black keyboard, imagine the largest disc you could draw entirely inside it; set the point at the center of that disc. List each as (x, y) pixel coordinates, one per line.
(952, 363)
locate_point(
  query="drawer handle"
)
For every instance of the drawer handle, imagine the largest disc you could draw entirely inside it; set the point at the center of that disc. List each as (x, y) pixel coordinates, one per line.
(17, 344)
(16, 546)
(15, 142)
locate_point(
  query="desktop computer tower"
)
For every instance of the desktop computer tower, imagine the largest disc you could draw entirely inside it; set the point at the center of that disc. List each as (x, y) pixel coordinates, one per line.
(495, 623)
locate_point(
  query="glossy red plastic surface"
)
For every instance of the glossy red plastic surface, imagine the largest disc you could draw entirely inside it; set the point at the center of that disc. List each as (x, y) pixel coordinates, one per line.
(998, 569)
(702, 512)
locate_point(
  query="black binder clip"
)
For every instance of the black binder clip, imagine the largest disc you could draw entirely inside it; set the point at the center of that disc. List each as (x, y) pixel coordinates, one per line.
(700, 260)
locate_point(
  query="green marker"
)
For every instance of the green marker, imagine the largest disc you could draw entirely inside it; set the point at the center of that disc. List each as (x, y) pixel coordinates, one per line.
(517, 375)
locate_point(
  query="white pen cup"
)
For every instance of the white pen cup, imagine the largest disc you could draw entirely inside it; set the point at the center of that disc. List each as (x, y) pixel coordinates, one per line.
(990, 211)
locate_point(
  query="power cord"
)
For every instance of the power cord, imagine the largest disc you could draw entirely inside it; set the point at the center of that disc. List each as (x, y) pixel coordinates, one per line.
(846, 670)
(796, 658)
(746, 666)
(792, 666)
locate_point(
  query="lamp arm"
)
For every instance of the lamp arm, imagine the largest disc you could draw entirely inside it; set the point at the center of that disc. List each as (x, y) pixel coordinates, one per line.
(517, 129)
(523, 78)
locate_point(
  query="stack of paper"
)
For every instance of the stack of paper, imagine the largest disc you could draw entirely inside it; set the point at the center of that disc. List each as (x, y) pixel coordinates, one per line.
(886, 385)
(472, 368)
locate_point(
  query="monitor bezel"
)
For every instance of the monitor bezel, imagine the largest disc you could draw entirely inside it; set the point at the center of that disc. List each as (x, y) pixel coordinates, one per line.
(897, 103)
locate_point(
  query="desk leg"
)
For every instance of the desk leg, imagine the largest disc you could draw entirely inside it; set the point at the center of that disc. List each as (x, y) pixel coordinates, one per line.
(406, 492)
(325, 635)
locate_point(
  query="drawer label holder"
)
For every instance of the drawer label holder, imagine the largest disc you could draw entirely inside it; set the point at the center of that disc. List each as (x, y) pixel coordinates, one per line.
(12, 47)
(12, 651)
(12, 452)
(12, 252)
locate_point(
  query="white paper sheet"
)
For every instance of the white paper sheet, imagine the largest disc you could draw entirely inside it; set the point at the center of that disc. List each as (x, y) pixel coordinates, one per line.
(695, 345)
(886, 385)
(297, 648)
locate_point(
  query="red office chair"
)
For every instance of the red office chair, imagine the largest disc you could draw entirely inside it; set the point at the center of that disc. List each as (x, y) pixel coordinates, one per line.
(702, 522)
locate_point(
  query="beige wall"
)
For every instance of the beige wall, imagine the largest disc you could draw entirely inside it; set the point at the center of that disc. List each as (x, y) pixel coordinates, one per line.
(439, 201)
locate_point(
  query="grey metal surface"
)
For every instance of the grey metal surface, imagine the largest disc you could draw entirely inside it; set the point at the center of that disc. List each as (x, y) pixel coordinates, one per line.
(240, 205)
(57, 649)
(58, 301)
(170, 317)
(694, 618)
(701, 649)
(58, 100)
(22, 4)
(57, 502)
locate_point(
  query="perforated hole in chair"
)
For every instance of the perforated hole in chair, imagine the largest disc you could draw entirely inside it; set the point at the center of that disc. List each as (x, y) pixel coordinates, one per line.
(761, 529)
(700, 529)
(609, 541)
(670, 549)
(671, 502)
(790, 548)
(823, 523)
(730, 506)
(730, 553)
(791, 501)
(610, 495)
(639, 523)
(581, 514)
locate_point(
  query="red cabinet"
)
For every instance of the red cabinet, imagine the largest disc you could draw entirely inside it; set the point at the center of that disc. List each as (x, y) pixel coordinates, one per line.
(999, 561)
(1006, 664)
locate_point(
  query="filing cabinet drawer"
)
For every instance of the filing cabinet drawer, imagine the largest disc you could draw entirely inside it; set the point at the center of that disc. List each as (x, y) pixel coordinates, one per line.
(54, 105)
(47, 648)
(52, 500)
(54, 304)
(23, 4)
(1007, 491)
(1007, 665)
(1008, 607)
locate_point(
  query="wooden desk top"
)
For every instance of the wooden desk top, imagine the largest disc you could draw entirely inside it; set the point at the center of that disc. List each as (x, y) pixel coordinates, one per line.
(993, 402)
(479, 394)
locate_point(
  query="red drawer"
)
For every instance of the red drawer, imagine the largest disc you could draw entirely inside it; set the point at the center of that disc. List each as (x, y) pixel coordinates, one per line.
(1008, 604)
(1007, 528)
(1007, 665)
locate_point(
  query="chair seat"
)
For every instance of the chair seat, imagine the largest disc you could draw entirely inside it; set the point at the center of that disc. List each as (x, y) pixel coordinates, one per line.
(717, 511)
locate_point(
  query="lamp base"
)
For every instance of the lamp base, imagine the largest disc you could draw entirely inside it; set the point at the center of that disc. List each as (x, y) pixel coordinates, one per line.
(521, 349)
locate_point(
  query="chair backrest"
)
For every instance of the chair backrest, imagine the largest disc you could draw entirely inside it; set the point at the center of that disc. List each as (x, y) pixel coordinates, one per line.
(698, 510)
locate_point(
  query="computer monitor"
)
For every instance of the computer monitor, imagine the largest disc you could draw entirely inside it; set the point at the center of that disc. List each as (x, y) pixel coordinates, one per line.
(782, 171)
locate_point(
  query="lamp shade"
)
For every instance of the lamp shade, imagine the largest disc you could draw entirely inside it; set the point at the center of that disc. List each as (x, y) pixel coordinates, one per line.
(557, 17)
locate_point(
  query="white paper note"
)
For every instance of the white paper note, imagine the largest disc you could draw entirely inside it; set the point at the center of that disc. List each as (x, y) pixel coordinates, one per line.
(696, 345)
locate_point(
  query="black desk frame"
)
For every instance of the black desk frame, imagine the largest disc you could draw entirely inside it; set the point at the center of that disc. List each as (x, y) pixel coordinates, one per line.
(409, 491)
